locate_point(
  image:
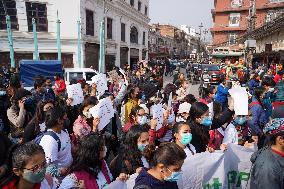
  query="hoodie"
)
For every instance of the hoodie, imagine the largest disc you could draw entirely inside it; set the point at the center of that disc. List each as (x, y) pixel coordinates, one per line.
(267, 170)
(145, 180)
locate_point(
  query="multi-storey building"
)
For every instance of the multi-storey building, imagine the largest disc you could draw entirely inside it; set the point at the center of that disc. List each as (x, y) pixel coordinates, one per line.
(230, 18)
(126, 30)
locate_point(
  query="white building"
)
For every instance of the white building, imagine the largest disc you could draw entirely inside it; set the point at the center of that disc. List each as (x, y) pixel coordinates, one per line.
(126, 30)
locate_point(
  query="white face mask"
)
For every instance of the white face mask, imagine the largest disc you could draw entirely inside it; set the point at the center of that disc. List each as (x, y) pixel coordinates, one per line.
(142, 120)
(271, 90)
(180, 119)
(87, 114)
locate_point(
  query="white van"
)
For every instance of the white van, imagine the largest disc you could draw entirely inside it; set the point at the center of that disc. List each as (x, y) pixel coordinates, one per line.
(78, 74)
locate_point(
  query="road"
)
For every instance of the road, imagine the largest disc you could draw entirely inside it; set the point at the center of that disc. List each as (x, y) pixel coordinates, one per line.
(192, 89)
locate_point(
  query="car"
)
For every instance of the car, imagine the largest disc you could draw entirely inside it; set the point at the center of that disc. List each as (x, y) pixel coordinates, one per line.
(214, 72)
(79, 74)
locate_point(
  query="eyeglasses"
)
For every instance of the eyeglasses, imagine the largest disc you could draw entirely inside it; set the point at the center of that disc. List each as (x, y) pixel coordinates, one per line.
(36, 168)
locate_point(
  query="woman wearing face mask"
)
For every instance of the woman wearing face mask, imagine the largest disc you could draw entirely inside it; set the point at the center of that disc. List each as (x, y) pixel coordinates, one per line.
(181, 92)
(29, 169)
(57, 144)
(37, 125)
(208, 95)
(89, 169)
(130, 158)
(259, 119)
(237, 131)
(137, 117)
(200, 123)
(167, 161)
(85, 123)
(183, 112)
(129, 102)
(182, 137)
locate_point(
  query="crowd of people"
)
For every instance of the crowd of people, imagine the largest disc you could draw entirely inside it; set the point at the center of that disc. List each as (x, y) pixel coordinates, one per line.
(47, 143)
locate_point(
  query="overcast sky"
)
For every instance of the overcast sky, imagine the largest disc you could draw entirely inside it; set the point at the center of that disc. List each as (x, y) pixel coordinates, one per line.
(178, 12)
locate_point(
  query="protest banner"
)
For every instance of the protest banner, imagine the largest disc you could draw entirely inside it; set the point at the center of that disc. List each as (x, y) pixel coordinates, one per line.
(104, 111)
(218, 170)
(76, 93)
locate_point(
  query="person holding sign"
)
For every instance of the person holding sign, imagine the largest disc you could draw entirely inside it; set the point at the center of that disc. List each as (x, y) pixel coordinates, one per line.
(167, 161)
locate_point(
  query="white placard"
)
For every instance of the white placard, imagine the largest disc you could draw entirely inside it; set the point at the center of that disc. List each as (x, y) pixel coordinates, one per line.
(104, 111)
(158, 113)
(170, 101)
(101, 81)
(76, 93)
(240, 97)
(124, 74)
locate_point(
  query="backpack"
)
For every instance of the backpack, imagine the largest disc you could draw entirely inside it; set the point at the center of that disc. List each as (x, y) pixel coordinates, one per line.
(49, 133)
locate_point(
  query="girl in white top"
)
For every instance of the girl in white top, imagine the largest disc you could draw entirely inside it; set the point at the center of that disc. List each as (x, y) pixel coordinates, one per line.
(57, 148)
(89, 169)
(182, 137)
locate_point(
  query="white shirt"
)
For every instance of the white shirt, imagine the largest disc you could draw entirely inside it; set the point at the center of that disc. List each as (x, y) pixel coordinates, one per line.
(188, 152)
(231, 135)
(70, 181)
(50, 147)
(45, 185)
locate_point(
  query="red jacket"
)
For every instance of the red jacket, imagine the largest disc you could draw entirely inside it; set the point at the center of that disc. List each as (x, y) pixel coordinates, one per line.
(59, 86)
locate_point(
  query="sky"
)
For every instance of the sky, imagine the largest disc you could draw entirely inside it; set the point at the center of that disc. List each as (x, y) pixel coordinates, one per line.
(179, 12)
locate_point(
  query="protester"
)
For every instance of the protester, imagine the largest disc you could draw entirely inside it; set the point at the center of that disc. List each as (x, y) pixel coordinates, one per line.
(129, 102)
(222, 93)
(183, 137)
(165, 170)
(56, 143)
(279, 76)
(4, 157)
(29, 169)
(59, 86)
(130, 158)
(253, 83)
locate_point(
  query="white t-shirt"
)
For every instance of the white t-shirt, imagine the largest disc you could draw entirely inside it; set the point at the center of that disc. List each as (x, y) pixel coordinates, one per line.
(188, 152)
(70, 181)
(231, 135)
(50, 147)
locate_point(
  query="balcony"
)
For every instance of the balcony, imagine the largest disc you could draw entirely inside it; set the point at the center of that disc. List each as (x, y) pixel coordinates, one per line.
(231, 9)
(227, 28)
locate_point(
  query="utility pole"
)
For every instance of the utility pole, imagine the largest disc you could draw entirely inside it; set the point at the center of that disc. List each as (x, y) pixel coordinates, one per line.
(199, 45)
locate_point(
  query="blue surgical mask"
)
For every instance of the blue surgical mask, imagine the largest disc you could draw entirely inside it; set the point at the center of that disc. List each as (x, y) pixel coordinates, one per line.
(141, 147)
(175, 176)
(240, 120)
(171, 119)
(186, 138)
(142, 120)
(207, 121)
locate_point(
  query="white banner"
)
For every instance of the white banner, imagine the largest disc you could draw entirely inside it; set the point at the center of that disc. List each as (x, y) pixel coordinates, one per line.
(218, 170)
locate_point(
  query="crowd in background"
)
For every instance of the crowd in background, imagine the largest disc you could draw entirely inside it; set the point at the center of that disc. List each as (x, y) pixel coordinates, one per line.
(48, 143)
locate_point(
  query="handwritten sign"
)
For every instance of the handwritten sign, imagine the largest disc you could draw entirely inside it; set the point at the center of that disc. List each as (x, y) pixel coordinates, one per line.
(76, 93)
(158, 113)
(101, 81)
(104, 111)
(124, 74)
(240, 96)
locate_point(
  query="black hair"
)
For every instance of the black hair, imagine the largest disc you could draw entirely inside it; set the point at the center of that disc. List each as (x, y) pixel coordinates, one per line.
(39, 82)
(134, 111)
(131, 152)
(20, 93)
(207, 91)
(273, 137)
(268, 81)
(190, 98)
(168, 153)
(130, 91)
(258, 91)
(15, 81)
(176, 128)
(23, 153)
(87, 157)
(222, 78)
(53, 115)
(280, 72)
(88, 101)
(197, 110)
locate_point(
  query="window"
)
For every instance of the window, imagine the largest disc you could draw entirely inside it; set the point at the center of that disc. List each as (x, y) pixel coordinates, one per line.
(233, 38)
(146, 10)
(236, 3)
(123, 32)
(134, 35)
(139, 5)
(8, 7)
(234, 19)
(273, 14)
(109, 28)
(37, 11)
(132, 3)
(144, 38)
(276, 1)
(90, 23)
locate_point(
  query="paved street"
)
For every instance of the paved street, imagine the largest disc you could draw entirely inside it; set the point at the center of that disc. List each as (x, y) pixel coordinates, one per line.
(193, 89)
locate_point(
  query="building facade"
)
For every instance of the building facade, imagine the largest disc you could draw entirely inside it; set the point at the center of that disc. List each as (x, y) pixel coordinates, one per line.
(230, 18)
(126, 28)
